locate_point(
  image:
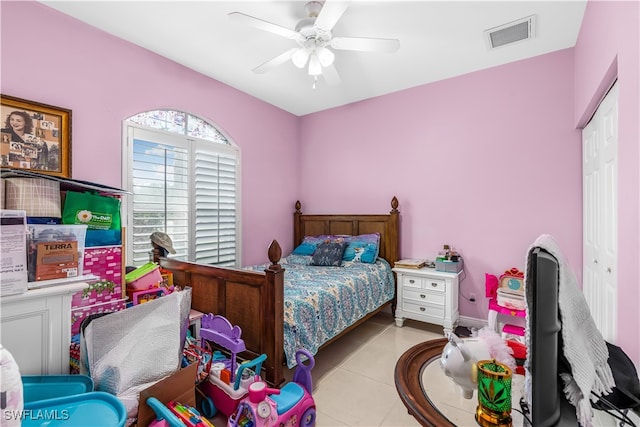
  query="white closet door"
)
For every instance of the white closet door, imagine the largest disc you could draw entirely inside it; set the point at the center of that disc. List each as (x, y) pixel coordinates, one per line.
(600, 214)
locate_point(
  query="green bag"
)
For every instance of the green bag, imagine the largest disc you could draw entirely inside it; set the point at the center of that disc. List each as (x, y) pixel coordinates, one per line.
(95, 211)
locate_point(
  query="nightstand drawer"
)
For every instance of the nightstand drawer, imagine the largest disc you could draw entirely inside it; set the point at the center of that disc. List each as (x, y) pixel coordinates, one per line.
(412, 281)
(424, 283)
(434, 284)
(421, 296)
(423, 309)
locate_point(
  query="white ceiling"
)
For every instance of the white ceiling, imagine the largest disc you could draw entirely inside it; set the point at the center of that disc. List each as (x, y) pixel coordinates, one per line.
(438, 40)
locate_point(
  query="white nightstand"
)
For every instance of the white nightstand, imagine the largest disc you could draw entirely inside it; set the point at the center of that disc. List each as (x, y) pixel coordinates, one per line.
(428, 295)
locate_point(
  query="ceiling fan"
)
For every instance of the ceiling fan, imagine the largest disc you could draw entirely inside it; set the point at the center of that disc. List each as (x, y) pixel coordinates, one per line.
(315, 40)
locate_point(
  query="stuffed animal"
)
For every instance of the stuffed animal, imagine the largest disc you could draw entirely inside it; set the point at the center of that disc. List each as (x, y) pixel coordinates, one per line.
(11, 398)
(460, 356)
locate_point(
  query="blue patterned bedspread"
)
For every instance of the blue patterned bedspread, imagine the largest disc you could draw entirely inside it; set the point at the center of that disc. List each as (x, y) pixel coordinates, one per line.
(320, 302)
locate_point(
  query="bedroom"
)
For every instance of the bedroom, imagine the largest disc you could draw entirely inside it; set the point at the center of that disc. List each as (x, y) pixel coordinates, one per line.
(459, 139)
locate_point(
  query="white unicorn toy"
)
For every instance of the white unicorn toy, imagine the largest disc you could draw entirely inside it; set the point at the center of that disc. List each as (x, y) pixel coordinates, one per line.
(460, 356)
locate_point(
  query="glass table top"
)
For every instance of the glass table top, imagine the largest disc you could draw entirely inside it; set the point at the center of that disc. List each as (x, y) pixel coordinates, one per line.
(446, 398)
(433, 398)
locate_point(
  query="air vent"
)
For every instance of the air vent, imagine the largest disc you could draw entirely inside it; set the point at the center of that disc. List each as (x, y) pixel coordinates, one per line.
(512, 32)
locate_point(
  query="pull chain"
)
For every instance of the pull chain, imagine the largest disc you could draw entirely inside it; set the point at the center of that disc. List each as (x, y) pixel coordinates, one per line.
(315, 80)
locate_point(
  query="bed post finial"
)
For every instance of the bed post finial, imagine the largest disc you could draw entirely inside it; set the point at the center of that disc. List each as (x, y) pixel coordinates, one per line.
(274, 253)
(394, 205)
(298, 207)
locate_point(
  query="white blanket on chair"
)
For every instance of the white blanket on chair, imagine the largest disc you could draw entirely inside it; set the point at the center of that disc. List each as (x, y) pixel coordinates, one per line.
(583, 345)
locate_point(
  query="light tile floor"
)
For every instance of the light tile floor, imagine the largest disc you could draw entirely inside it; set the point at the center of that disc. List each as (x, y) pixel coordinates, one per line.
(353, 376)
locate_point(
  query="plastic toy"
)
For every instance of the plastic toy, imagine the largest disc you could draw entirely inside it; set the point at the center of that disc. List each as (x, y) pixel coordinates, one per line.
(227, 383)
(459, 357)
(292, 405)
(176, 415)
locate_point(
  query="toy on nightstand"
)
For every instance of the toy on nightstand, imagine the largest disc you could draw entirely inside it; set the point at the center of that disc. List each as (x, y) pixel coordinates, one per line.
(227, 383)
(292, 405)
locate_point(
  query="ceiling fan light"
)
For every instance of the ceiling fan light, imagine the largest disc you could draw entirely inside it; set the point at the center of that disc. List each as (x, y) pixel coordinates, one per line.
(315, 68)
(300, 57)
(325, 56)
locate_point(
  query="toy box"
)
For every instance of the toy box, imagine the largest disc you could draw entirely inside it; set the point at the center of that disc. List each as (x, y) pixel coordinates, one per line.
(144, 277)
(99, 292)
(104, 262)
(79, 314)
(145, 295)
(179, 386)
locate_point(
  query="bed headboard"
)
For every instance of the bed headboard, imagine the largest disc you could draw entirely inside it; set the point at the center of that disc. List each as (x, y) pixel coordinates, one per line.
(388, 225)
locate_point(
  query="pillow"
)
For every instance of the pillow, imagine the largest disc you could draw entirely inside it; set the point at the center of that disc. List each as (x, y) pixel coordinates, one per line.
(363, 248)
(309, 245)
(329, 254)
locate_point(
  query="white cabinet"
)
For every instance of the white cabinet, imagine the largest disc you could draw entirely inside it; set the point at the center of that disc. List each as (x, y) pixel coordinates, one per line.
(427, 295)
(35, 327)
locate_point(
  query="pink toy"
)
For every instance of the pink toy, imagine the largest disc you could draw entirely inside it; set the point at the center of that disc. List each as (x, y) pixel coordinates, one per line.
(227, 383)
(291, 406)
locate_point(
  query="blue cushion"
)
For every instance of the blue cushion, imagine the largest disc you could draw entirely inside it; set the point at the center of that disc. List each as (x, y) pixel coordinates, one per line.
(363, 248)
(309, 244)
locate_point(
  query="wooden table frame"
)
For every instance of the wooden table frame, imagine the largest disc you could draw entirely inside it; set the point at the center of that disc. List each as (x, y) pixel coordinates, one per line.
(408, 379)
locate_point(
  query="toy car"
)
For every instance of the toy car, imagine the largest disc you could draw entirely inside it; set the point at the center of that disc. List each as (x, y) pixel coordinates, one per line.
(292, 405)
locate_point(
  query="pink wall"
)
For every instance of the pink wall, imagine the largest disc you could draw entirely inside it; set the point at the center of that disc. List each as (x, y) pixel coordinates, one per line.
(485, 162)
(608, 46)
(103, 80)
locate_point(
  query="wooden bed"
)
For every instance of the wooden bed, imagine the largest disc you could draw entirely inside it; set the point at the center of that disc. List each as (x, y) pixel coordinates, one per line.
(254, 300)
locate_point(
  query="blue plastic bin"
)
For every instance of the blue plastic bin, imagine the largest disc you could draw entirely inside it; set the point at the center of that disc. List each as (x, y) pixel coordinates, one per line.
(95, 409)
(40, 387)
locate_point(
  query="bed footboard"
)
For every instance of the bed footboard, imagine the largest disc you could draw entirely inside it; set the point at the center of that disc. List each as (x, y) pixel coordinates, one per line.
(252, 300)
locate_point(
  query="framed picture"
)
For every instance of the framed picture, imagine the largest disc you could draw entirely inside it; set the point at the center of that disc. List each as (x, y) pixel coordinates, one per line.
(35, 137)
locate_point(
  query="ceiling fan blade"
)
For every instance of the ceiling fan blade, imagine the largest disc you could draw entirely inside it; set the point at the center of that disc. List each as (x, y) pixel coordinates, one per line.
(330, 14)
(272, 63)
(331, 75)
(365, 44)
(264, 25)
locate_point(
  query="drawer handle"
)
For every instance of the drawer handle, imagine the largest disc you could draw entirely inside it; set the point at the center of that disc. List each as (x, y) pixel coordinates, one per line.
(422, 309)
(435, 285)
(422, 296)
(412, 281)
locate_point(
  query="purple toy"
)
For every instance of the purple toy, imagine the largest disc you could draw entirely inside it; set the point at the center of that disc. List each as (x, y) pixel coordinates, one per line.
(219, 330)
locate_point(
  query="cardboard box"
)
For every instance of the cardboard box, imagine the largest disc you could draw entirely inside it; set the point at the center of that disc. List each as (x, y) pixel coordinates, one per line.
(13, 244)
(179, 387)
(56, 260)
(49, 252)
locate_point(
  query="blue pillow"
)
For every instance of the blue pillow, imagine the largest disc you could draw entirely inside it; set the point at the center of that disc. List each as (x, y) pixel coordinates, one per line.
(363, 248)
(309, 245)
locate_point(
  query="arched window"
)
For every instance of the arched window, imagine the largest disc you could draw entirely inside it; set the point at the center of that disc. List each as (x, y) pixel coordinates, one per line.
(183, 174)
